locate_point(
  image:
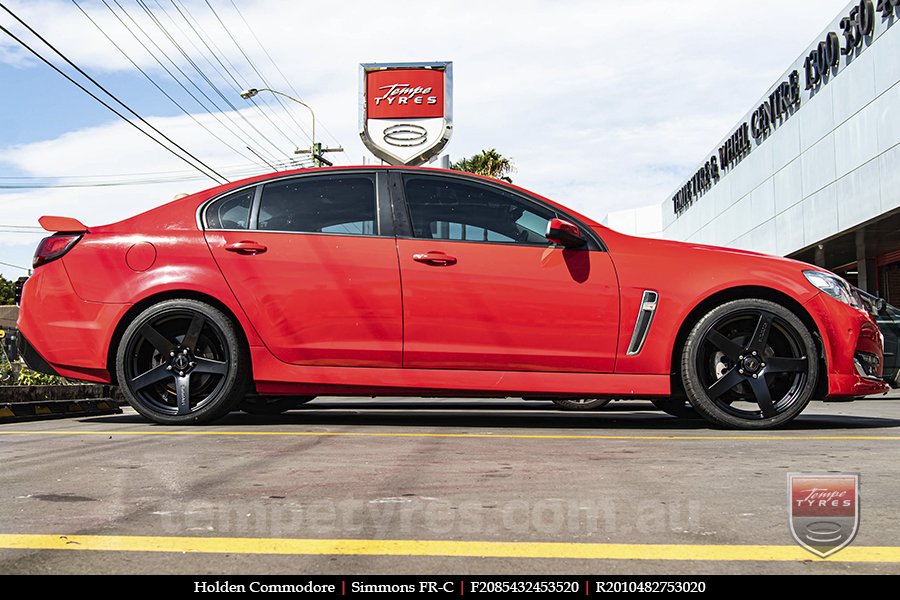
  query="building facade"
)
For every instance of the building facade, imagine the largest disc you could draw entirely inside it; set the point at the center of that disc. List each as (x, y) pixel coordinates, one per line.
(812, 170)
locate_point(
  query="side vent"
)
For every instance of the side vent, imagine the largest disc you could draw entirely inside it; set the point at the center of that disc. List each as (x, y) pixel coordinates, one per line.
(644, 318)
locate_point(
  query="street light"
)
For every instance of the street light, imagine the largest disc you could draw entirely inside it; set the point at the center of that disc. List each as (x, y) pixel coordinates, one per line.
(249, 93)
(316, 150)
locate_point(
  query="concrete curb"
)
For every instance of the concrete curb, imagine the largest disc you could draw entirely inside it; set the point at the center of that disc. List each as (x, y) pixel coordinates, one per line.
(57, 409)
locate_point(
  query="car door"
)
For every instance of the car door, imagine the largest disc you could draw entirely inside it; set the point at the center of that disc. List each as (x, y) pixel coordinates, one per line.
(313, 267)
(484, 289)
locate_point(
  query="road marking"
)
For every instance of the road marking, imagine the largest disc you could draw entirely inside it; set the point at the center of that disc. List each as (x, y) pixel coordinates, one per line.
(224, 545)
(502, 436)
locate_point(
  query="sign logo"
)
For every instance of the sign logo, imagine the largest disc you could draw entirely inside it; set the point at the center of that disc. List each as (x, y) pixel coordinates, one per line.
(405, 112)
(823, 510)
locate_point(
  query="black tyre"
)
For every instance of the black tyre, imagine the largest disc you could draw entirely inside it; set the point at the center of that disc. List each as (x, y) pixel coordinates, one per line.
(271, 405)
(182, 362)
(677, 406)
(749, 364)
(581, 403)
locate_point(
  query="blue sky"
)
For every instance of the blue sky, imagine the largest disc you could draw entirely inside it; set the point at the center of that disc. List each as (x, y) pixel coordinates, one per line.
(602, 105)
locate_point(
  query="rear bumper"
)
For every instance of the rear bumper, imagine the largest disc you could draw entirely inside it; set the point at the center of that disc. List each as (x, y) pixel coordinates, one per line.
(60, 334)
(33, 359)
(854, 354)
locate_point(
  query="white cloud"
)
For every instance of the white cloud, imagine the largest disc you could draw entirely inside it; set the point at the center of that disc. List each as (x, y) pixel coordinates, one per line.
(603, 105)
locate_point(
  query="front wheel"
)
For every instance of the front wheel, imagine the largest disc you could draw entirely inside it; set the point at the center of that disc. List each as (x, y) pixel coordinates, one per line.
(182, 362)
(749, 364)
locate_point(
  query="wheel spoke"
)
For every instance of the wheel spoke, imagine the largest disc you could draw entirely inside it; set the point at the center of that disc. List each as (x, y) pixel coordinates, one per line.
(157, 339)
(205, 365)
(760, 337)
(193, 333)
(724, 383)
(731, 349)
(777, 364)
(183, 394)
(154, 375)
(763, 398)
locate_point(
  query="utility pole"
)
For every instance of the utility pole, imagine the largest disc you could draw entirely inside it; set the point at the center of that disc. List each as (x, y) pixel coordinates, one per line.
(317, 151)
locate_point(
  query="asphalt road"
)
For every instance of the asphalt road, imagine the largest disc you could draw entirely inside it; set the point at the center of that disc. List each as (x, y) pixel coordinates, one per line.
(361, 486)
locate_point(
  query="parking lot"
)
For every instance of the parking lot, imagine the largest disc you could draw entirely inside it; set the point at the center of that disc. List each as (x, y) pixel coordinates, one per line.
(359, 486)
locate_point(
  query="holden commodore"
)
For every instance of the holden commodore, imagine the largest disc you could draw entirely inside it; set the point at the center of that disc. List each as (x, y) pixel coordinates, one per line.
(376, 281)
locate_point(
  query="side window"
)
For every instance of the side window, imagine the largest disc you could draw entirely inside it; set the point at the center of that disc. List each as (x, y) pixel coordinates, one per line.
(342, 204)
(441, 208)
(231, 211)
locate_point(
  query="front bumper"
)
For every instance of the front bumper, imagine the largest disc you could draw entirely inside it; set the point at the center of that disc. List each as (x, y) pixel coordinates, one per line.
(854, 354)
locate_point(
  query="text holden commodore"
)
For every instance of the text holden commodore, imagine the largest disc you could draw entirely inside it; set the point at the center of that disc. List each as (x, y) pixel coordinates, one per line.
(263, 293)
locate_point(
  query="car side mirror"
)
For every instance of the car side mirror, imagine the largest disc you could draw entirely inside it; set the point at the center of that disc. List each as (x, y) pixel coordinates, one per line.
(564, 233)
(879, 305)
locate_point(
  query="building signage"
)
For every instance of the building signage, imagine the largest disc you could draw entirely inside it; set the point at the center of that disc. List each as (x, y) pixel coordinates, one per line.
(405, 112)
(780, 104)
(821, 64)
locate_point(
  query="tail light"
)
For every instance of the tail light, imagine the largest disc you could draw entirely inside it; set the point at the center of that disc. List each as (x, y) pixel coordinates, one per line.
(54, 247)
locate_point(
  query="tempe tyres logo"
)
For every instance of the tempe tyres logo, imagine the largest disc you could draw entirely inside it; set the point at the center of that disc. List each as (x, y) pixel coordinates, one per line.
(405, 112)
(824, 510)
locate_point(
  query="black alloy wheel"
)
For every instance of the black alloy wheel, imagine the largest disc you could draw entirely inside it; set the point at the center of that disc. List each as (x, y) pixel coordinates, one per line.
(749, 364)
(181, 362)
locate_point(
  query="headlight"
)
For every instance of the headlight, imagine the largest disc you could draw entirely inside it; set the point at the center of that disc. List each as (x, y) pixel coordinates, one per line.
(834, 286)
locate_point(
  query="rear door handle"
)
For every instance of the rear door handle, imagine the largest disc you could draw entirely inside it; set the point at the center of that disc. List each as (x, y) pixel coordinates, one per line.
(246, 247)
(438, 259)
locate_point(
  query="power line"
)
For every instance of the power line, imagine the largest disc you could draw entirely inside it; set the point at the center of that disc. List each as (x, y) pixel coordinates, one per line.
(215, 176)
(156, 85)
(203, 75)
(277, 68)
(15, 267)
(34, 183)
(253, 66)
(238, 86)
(218, 111)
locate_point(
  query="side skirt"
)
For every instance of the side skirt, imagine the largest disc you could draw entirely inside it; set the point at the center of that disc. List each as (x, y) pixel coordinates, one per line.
(275, 377)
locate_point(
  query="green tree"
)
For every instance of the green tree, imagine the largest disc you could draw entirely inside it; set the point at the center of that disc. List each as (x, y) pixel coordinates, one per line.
(7, 291)
(489, 163)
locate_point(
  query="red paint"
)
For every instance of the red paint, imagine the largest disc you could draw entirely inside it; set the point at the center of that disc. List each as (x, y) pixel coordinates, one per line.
(340, 314)
(62, 224)
(404, 94)
(318, 299)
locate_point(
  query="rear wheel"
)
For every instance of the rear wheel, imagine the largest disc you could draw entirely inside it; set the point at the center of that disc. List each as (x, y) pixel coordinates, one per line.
(271, 405)
(749, 364)
(182, 362)
(581, 403)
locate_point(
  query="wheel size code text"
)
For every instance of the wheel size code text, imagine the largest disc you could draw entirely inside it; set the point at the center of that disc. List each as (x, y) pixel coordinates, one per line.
(639, 587)
(524, 587)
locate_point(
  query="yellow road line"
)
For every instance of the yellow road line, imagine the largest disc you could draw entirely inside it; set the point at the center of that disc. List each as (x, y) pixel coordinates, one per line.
(507, 436)
(220, 545)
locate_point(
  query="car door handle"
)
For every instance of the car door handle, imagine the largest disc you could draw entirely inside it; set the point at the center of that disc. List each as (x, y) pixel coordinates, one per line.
(246, 247)
(438, 259)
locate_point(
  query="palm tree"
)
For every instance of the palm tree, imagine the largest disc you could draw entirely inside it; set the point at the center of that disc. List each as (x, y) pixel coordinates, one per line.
(489, 163)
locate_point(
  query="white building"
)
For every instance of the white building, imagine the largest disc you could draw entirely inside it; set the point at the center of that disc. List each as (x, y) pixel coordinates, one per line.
(812, 171)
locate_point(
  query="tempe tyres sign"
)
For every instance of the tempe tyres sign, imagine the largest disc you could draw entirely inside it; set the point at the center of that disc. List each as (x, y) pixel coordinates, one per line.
(406, 110)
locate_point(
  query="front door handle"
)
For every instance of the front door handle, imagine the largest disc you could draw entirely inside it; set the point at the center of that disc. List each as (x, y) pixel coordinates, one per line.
(246, 247)
(438, 259)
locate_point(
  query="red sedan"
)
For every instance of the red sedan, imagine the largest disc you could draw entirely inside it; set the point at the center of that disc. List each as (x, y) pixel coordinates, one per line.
(405, 281)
